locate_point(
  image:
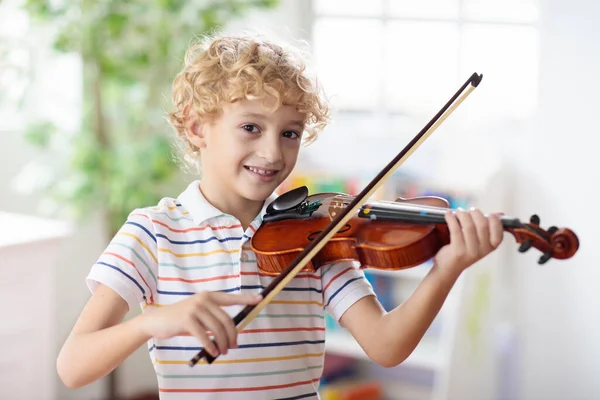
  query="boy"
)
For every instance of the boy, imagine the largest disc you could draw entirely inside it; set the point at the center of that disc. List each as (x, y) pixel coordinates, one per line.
(243, 106)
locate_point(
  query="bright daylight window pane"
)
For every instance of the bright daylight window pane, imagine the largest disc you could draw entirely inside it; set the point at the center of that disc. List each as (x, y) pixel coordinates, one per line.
(348, 7)
(505, 10)
(421, 65)
(424, 8)
(348, 61)
(507, 56)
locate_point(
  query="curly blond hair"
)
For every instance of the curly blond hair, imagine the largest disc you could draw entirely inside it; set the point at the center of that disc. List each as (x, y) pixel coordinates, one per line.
(223, 69)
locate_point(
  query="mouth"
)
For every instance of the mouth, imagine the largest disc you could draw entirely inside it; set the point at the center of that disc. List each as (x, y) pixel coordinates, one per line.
(261, 171)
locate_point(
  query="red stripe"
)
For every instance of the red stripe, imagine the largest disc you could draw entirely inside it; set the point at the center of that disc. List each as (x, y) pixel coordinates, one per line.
(273, 330)
(305, 275)
(282, 330)
(201, 228)
(136, 270)
(248, 389)
(120, 257)
(215, 278)
(218, 278)
(335, 277)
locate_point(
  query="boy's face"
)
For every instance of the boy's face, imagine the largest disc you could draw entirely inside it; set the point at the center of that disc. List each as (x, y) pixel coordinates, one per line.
(248, 151)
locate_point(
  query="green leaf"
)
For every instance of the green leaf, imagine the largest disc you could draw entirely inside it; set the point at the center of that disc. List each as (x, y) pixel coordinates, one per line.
(121, 158)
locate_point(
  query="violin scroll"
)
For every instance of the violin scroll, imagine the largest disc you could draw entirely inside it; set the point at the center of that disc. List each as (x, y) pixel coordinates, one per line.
(559, 243)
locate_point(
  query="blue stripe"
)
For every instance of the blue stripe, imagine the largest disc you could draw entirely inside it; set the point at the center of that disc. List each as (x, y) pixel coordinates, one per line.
(127, 275)
(143, 228)
(244, 346)
(199, 240)
(237, 288)
(302, 396)
(340, 289)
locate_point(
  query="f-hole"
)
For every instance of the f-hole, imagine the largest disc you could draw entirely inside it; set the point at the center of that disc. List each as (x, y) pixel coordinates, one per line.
(314, 235)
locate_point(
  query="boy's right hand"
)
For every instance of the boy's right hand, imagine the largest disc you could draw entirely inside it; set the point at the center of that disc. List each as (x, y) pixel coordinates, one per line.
(195, 316)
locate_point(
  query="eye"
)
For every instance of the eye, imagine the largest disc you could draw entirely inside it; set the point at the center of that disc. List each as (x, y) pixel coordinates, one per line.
(291, 134)
(250, 128)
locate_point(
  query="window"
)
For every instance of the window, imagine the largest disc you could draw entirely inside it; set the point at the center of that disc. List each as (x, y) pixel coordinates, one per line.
(15, 62)
(404, 59)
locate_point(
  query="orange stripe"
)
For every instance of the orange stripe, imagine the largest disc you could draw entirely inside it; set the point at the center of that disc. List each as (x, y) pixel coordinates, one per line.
(137, 239)
(248, 389)
(335, 277)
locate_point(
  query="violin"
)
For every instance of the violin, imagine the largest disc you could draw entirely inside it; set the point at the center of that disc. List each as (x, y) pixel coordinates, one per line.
(301, 232)
(388, 235)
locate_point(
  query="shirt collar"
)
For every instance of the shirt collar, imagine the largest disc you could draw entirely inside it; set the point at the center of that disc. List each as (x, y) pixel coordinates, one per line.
(201, 209)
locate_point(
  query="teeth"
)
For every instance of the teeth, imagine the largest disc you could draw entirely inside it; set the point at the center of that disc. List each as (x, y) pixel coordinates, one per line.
(261, 171)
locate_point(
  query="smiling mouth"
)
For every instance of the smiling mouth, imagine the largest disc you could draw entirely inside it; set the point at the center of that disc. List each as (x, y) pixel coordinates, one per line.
(261, 171)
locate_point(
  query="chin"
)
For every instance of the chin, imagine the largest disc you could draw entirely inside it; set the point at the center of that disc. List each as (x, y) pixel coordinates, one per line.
(258, 193)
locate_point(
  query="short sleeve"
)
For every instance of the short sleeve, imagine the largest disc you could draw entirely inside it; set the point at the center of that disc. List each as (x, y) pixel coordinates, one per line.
(129, 265)
(344, 283)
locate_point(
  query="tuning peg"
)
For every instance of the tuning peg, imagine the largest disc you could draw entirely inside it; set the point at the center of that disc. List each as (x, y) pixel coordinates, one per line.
(535, 219)
(545, 257)
(552, 229)
(526, 245)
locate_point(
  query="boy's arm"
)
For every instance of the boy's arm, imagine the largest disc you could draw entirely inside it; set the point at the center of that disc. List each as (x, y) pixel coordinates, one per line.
(98, 342)
(389, 338)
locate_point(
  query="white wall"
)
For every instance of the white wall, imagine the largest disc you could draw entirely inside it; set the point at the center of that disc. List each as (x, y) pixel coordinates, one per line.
(559, 304)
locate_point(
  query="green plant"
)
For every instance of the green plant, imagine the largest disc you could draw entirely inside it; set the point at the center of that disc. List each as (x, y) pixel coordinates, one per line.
(120, 157)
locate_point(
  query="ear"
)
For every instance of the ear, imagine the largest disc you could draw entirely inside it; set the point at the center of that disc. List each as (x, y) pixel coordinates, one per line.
(194, 130)
(195, 134)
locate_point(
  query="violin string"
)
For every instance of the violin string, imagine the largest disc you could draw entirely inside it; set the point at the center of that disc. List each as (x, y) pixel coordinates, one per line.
(417, 208)
(420, 217)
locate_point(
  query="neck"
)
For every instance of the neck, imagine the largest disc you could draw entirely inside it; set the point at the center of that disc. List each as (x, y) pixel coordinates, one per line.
(243, 209)
(416, 214)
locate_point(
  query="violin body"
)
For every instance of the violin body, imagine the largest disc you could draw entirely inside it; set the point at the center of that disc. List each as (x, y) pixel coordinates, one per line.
(379, 244)
(382, 235)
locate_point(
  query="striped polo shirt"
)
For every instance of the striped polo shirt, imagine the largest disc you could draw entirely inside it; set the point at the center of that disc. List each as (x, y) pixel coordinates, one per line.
(182, 246)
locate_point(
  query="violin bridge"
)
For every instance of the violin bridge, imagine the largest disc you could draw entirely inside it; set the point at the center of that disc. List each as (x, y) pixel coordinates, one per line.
(336, 205)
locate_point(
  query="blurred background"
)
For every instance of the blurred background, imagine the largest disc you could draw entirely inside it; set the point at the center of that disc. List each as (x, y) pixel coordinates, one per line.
(84, 91)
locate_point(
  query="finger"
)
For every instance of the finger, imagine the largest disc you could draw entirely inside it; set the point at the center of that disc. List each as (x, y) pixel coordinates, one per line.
(196, 329)
(469, 232)
(211, 322)
(496, 230)
(483, 230)
(228, 299)
(228, 324)
(456, 236)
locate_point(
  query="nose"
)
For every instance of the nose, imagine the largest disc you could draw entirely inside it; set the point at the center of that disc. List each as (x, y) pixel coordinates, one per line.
(270, 149)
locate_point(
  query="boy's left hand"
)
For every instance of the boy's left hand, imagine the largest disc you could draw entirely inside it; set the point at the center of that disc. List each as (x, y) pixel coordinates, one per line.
(472, 237)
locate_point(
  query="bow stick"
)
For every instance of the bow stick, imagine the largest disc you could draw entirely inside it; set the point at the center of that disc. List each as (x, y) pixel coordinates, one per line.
(244, 317)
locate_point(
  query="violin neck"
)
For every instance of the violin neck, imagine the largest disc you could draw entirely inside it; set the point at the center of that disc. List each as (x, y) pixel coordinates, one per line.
(415, 214)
